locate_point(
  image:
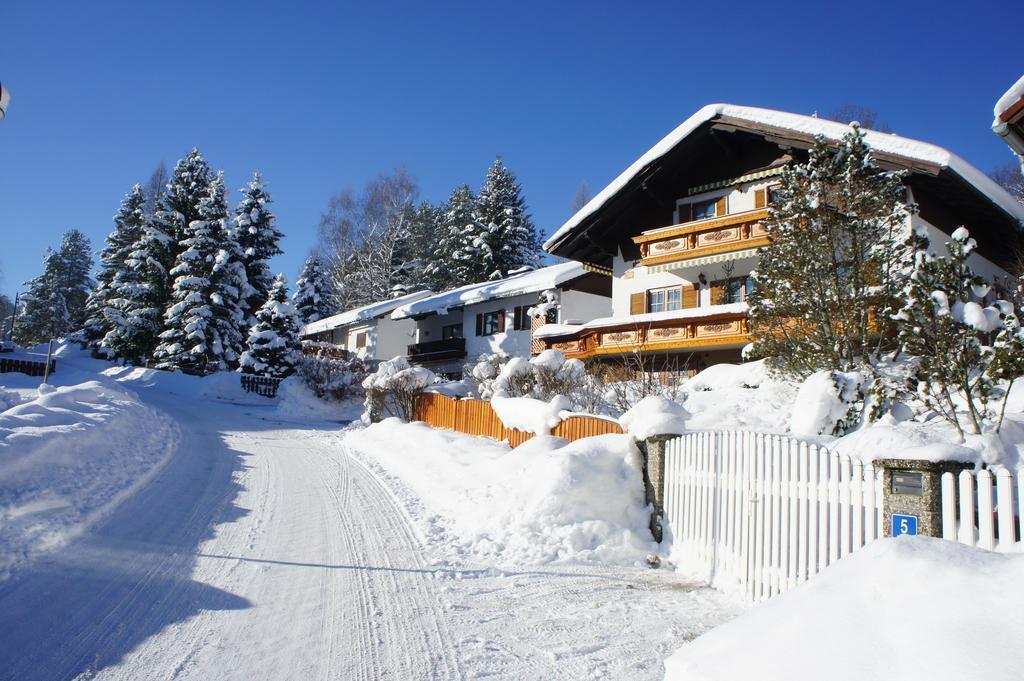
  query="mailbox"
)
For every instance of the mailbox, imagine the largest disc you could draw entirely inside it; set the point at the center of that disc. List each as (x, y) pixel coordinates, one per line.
(910, 483)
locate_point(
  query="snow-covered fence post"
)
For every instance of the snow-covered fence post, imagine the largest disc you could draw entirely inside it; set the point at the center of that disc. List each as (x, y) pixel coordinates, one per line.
(653, 449)
(912, 495)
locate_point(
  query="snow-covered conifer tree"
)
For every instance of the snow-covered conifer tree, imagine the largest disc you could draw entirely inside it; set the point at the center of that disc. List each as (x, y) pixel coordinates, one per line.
(258, 238)
(312, 292)
(827, 283)
(75, 275)
(451, 265)
(504, 238)
(176, 209)
(273, 347)
(945, 324)
(45, 313)
(201, 334)
(103, 303)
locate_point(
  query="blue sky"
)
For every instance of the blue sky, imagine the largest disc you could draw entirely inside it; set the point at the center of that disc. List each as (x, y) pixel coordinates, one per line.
(322, 96)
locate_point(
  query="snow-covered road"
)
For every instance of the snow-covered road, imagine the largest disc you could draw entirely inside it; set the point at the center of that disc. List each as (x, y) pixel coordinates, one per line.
(264, 550)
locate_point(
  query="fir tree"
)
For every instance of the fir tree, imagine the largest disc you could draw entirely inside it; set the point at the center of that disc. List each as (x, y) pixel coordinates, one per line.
(451, 266)
(75, 279)
(258, 238)
(827, 282)
(45, 313)
(273, 347)
(228, 278)
(504, 237)
(176, 209)
(204, 309)
(312, 292)
(129, 223)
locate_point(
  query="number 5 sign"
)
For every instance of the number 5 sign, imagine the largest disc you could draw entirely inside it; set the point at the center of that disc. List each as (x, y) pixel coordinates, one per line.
(903, 524)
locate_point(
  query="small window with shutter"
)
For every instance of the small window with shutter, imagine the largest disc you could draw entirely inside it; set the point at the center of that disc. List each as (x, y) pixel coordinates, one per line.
(492, 322)
(638, 303)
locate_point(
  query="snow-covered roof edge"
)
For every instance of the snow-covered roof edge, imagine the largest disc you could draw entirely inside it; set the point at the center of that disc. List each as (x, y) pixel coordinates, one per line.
(519, 284)
(880, 141)
(1009, 98)
(551, 330)
(364, 313)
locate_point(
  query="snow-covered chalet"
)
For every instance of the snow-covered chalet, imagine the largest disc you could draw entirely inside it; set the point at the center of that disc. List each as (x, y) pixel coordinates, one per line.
(367, 332)
(500, 316)
(668, 230)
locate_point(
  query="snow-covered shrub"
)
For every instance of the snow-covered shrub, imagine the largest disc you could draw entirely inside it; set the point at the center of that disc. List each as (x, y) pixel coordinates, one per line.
(543, 377)
(333, 377)
(944, 323)
(393, 388)
(827, 403)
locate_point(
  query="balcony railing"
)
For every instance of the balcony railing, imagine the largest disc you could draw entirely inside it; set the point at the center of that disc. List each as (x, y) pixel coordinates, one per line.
(718, 331)
(703, 237)
(436, 351)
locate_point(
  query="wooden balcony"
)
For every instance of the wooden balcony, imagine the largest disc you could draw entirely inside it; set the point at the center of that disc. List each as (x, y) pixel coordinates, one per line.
(712, 236)
(436, 351)
(714, 332)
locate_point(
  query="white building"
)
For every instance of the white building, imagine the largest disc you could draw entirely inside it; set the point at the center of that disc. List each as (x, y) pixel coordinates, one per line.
(464, 323)
(1009, 118)
(368, 332)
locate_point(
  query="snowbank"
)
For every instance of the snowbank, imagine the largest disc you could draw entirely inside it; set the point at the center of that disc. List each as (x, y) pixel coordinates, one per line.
(296, 401)
(654, 415)
(69, 456)
(545, 501)
(530, 415)
(909, 608)
(738, 397)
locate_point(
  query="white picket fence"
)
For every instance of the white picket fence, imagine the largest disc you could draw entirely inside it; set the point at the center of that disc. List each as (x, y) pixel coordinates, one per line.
(759, 513)
(984, 508)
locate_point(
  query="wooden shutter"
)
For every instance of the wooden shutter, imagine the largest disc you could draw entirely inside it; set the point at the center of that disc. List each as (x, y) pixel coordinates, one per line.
(717, 292)
(759, 198)
(638, 303)
(722, 206)
(691, 297)
(501, 321)
(480, 324)
(685, 213)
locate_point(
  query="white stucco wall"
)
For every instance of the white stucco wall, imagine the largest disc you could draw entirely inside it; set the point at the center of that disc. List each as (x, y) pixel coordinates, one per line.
(578, 306)
(937, 244)
(515, 343)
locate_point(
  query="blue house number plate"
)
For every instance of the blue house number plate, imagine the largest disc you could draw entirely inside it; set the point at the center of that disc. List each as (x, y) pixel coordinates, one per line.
(903, 524)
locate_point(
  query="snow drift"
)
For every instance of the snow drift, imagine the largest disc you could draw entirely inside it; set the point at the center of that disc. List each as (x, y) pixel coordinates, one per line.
(545, 501)
(907, 608)
(69, 456)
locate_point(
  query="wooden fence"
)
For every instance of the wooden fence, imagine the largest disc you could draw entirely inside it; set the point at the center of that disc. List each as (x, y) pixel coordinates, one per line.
(984, 508)
(476, 417)
(759, 514)
(25, 366)
(265, 386)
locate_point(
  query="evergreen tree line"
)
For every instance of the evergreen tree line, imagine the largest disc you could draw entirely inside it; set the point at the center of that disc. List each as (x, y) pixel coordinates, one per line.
(183, 283)
(384, 242)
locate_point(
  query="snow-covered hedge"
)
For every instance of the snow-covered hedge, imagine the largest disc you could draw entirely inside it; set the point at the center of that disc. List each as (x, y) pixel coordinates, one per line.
(333, 377)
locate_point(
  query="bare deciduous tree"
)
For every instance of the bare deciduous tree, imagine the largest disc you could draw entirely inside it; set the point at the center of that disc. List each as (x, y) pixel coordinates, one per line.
(865, 116)
(581, 198)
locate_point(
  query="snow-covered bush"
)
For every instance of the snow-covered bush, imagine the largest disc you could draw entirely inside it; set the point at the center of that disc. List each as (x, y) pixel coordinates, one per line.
(543, 377)
(963, 347)
(333, 377)
(393, 388)
(826, 403)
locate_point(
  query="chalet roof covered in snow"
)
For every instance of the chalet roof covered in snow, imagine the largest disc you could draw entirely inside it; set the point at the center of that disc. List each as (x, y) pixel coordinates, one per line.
(722, 141)
(533, 281)
(362, 314)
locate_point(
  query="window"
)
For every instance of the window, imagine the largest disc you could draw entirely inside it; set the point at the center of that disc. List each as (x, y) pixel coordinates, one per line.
(703, 210)
(490, 323)
(520, 318)
(773, 196)
(736, 291)
(361, 339)
(665, 299)
(451, 331)
(656, 301)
